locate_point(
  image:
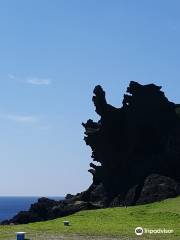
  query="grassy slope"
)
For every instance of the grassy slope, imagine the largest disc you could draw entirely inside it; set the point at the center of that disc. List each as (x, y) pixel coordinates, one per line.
(111, 222)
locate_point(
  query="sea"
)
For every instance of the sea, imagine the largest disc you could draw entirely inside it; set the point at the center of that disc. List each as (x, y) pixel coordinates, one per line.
(10, 206)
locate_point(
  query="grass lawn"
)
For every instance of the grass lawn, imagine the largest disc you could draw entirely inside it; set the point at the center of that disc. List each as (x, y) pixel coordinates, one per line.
(114, 222)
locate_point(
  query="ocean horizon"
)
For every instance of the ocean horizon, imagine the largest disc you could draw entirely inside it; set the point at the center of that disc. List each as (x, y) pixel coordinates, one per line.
(11, 205)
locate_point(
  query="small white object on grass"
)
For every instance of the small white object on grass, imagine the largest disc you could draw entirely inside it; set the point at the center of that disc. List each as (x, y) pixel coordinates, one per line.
(66, 223)
(20, 235)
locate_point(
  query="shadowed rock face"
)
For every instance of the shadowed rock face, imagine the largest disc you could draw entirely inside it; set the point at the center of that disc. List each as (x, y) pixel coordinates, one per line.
(137, 148)
(134, 141)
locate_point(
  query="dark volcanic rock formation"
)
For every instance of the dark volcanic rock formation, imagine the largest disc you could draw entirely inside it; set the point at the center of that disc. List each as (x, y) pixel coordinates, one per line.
(132, 142)
(46, 209)
(158, 188)
(137, 148)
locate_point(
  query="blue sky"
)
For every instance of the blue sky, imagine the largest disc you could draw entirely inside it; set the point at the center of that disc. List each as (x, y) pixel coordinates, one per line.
(52, 55)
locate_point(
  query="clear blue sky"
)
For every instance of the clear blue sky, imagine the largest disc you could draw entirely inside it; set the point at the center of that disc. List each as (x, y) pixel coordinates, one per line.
(52, 55)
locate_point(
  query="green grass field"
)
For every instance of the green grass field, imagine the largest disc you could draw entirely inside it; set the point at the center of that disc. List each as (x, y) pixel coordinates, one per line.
(114, 222)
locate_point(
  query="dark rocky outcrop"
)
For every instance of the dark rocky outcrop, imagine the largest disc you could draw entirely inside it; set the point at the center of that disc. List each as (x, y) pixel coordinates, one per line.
(46, 209)
(137, 148)
(158, 188)
(132, 142)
